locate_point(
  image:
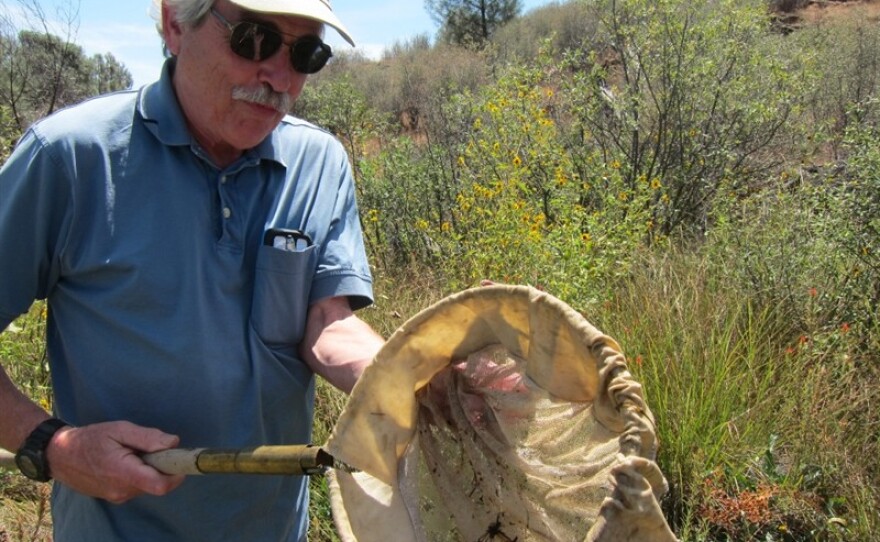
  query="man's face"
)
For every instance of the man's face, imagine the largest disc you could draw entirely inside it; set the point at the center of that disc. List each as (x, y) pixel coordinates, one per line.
(210, 79)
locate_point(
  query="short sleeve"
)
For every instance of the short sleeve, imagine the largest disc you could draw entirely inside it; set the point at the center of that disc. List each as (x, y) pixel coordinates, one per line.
(343, 268)
(35, 214)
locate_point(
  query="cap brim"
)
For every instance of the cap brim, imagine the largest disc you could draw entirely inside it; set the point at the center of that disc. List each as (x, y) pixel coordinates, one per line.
(313, 9)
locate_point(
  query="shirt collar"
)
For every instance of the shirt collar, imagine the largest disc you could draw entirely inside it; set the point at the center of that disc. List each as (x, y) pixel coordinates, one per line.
(160, 110)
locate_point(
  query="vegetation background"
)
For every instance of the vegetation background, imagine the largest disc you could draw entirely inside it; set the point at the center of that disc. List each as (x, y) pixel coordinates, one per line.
(700, 178)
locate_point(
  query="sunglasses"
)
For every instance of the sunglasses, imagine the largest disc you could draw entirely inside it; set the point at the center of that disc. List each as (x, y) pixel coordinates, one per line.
(257, 42)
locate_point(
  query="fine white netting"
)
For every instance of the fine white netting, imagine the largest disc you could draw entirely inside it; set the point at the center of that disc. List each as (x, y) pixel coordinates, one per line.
(498, 414)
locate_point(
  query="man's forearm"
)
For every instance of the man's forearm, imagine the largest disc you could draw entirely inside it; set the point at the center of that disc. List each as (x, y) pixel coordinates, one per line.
(347, 348)
(338, 345)
(20, 414)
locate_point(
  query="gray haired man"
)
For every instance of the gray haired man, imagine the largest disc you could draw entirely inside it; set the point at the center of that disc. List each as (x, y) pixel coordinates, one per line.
(149, 220)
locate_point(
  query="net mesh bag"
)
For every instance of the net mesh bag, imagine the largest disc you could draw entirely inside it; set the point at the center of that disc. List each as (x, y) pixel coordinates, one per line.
(498, 413)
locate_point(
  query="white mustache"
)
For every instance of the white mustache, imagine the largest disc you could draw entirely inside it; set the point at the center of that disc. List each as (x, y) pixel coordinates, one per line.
(264, 96)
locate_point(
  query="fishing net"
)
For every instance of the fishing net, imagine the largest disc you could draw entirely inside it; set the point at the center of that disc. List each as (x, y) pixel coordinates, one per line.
(498, 413)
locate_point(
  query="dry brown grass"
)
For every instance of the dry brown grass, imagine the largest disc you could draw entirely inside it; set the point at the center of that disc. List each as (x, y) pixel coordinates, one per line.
(819, 12)
(766, 511)
(24, 510)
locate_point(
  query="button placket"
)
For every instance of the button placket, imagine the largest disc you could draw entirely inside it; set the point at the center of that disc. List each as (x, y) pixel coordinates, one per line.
(229, 236)
(225, 206)
(231, 216)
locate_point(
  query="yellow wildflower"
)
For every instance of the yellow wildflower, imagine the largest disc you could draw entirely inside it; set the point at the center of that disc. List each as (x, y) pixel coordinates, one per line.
(561, 179)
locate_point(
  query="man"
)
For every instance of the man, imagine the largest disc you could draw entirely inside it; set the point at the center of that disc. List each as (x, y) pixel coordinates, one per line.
(201, 256)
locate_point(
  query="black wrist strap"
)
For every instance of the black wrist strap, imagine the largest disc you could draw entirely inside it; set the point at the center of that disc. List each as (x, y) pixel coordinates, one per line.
(38, 441)
(43, 433)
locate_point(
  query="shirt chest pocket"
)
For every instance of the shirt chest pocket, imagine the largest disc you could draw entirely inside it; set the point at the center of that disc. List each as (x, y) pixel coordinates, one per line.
(281, 294)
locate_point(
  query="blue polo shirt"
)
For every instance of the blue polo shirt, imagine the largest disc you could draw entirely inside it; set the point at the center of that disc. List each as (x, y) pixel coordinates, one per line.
(166, 308)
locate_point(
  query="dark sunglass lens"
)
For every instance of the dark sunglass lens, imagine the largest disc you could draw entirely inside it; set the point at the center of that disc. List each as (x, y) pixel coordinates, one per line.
(254, 42)
(309, 55)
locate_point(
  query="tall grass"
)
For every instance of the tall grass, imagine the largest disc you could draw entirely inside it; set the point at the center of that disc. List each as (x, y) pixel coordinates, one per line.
(706, 357)
(716, 374)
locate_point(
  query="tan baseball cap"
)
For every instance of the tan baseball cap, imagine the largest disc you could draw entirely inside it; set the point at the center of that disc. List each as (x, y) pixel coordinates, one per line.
(318, 10)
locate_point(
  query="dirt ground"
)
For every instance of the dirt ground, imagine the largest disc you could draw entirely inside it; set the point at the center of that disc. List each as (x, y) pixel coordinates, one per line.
(821, 11)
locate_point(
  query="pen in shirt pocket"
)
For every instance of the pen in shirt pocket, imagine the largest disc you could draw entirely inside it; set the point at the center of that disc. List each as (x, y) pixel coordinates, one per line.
(289, 240)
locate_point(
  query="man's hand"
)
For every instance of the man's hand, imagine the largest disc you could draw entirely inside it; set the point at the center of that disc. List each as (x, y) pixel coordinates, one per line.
(102, 460)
